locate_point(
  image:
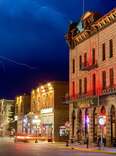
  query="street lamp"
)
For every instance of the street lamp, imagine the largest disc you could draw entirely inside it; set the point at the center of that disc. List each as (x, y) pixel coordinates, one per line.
(102, 122)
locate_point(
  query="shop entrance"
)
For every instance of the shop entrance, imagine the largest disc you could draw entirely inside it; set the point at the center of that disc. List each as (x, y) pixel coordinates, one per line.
(95, 125)
(79, 130)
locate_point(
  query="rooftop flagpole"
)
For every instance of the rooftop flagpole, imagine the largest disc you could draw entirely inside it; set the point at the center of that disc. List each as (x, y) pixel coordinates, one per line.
(83, 7)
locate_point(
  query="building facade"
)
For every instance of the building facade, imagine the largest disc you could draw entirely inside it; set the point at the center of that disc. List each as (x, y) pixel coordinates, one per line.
(5, 116)
(47, 102)
(22, 107)
(92, 77)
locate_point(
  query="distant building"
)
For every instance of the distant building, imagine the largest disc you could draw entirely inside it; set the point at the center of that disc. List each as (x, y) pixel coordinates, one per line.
(92, 77)
(5, 116)
(22, 107)
(47, 102)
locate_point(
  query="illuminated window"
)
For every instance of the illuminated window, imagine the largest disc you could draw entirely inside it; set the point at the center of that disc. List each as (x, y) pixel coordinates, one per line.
(104, 80)
(111, 74)
(93, 56)
(110, 48)
(85, 59)
(73, 66)
(94, 84)
(80, 86)
(103, 52)
(85, 85)
(80, 61)
(21, 106)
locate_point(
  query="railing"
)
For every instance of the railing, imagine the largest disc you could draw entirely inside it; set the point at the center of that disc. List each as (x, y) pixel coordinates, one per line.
(109, 90)
(80, 96)
(88, 66)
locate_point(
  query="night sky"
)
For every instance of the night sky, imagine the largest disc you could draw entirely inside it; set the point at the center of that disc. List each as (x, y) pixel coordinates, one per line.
(32, 44)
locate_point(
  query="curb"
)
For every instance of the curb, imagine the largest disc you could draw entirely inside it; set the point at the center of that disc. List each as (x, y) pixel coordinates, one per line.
(96, 151)
(86, 150)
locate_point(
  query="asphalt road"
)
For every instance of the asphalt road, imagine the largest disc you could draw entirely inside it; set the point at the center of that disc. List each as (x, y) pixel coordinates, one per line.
(9, 148)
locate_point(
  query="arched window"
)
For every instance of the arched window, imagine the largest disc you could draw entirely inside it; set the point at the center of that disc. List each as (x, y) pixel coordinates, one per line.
(113, 123)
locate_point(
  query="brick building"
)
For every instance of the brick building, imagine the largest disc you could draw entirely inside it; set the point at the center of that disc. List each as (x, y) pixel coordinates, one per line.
(22, 107)
(47, 103)
(92, 77)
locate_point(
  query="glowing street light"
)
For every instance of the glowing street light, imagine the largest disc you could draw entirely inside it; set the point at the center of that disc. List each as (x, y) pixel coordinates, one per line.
(102, 122)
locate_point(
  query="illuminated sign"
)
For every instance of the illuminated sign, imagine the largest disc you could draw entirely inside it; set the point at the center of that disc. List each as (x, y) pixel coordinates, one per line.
(16, 117)
(102, 120)
(47, 110)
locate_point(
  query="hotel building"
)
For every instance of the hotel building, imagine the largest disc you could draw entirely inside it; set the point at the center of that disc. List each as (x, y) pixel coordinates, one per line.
(92, 77)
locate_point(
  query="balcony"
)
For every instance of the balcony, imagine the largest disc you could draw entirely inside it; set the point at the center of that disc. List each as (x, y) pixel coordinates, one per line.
(88, 67)
(109, 90)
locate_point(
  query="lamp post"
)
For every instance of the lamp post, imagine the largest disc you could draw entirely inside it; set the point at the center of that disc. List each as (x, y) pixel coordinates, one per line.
(36, 121)
(102, 122)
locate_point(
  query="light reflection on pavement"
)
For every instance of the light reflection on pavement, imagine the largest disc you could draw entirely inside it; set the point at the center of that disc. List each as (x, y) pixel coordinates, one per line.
(9, 148)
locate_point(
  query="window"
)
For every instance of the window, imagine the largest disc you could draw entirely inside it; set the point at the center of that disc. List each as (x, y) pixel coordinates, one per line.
(103, 80)
(94, 84)
(85, 59)
(103, 52)
(21, 107)
(111, 74)
(80, 86)
(73, 66)
(85, 85)
(73, 88)
(80, 61)
(111, 48)
(93, 56)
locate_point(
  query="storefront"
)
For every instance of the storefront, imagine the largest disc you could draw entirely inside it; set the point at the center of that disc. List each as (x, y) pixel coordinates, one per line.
(47, 123)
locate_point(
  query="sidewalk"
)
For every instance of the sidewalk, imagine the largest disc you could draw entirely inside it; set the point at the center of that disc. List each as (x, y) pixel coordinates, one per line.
(83, 148)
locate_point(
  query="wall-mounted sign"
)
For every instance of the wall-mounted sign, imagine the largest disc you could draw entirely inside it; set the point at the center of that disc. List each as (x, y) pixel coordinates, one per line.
(46, 110)
(87, 102)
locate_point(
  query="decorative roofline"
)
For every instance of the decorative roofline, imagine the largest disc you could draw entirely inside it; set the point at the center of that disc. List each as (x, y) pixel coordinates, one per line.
(74, 39)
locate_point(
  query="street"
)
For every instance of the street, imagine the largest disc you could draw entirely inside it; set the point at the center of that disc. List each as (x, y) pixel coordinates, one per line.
(9, 148)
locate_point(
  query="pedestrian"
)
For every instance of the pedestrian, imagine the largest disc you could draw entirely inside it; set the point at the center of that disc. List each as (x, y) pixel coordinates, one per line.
(99, 141)
(67, 143)
(72, 141)
(87, 141)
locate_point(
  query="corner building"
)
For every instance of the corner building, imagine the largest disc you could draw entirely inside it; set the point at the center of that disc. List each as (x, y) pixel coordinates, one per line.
(92, 77)
(47, 101)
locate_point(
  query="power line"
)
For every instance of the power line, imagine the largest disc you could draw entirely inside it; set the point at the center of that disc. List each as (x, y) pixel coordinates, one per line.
(3, 66)
(17, 63)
